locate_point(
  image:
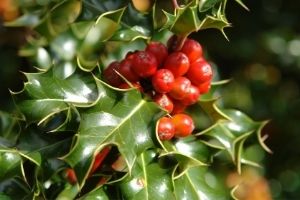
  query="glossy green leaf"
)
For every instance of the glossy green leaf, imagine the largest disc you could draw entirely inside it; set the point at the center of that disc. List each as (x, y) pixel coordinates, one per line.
(120, 122)
(160, 13)
(198, 183)
(63, 14)
(10, 164)
(212, 110)
(138, 21)
(15, 189)
(188, 152)
(71, 115)
(28, 19)
(69, 192)
(230, 135)
(127, 35)
(34, 141)
(98, 194)
(187, 21)
(45, 95)
(205, 5)
(216, 20)
(81, 29)
(92, 9)
(64, 70)
(43, 59)
(9, 128)
(65, 46)
(147, 180)
(104, 28)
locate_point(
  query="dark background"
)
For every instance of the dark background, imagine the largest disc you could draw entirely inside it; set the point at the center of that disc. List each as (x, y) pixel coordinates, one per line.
(263, 60)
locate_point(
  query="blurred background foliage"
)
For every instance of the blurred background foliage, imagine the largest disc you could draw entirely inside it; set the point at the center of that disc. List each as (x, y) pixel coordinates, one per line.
(263, 61)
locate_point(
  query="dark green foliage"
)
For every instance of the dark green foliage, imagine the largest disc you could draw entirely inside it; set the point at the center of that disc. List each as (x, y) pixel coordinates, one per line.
(67, 113)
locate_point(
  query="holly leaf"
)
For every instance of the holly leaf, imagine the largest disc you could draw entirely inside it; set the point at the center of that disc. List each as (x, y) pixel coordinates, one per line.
(65, 45)
(161, 14)
(212, 110)
(188, 152)
(104, 28)
(216, 20)
(64, 14)
(28, 20)
(98, 193)
(92, 9)
(9, 129)
(119, 121)
(15, 189)
(187, 20)
(10, 164)
(230, 135)
(206, 5)
(199, 183)
(128, 35)
(147, 180)
(69, 192)
(44, 95)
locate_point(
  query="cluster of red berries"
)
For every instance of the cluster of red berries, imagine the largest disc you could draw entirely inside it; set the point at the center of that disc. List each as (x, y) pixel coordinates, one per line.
(174, 80)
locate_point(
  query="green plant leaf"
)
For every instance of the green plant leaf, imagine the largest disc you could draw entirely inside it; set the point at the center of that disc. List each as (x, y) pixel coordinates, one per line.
(92, 9)
(43, 59)
(103, 29)
(65, 46)
(69, 192)
(187, 20)
(10, 164)
(206, 5)
(160, 13)
(98, 194)
(9, 129)
(188, 152)
(147, 180)
(199, 183)
(28, 19)
(212, 110)
(45, 95)
(15, 189)
(119, 121)
(230, 135)
(64, 14)
(216, 20)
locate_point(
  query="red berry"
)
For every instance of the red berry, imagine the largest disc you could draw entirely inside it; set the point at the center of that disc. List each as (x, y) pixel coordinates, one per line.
(204, 87)
(164, 101)
(192, 96)
(178, 107)
(110, 74)
(163, 80)
(165, 129)
(184, 125)
(159, 50)
(71, 176)
(144, 64)
(127, 72)
(99, 159)
(130, 54)
(180, 88)
(199, 72)
(192, 49)
(178, 63)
